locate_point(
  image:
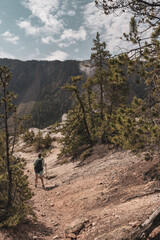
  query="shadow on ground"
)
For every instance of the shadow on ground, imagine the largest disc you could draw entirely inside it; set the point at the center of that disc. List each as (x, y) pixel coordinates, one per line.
(48, 188)
(27, 231)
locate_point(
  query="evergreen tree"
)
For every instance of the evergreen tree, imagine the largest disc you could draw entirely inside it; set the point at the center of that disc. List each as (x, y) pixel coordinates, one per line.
(148, 64)
(146, 13)
(91, 117)
(99, 59)
(15, 192)
(109, 84)
(143, 123)
(76, 131)
(6, 102)
(38, 141)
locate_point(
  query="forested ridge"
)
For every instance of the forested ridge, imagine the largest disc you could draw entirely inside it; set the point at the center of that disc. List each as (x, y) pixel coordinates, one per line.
(38, 85)
(39, 88)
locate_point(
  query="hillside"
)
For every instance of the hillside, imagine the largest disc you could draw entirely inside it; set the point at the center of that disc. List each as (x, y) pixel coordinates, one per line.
(39, 88)
(106, 197)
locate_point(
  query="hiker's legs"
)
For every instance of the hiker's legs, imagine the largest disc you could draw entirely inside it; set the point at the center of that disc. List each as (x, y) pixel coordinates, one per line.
(42, 181)
(36, 179)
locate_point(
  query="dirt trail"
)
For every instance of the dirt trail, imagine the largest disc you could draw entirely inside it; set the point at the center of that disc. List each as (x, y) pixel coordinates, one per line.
(105, 197)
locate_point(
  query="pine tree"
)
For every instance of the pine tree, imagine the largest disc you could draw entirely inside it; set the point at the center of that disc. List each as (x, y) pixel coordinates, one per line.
(15, 193)
(145, 58)
(145, 13)
(6, 102)
(109, 85)
(99, 59)
(91, 118)
(76, 132)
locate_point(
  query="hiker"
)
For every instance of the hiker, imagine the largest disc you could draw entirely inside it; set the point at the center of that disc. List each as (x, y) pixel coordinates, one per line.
(38, 168)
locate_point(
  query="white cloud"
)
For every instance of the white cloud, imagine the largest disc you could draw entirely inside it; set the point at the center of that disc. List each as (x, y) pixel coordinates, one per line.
(66, 44)
(70, 34)
(110, 27)
(70, 37)
(94, 19)
(7, 34)
(26, 25)
(57, 55)
(46, 13)
(49, 18)
(67, 7)
(4, 54)
(71, 13)
(10, 37)
(48, 39)
(43, 9)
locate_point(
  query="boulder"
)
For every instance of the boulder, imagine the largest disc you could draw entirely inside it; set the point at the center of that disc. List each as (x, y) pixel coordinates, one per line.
(75, 227)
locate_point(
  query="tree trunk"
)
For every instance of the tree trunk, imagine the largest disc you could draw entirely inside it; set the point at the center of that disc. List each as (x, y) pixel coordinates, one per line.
(7, 150)
(147, 227)
(84, 118)
(101, 89)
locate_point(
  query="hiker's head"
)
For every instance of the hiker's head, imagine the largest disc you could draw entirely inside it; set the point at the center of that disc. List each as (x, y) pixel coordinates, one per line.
(39, 155)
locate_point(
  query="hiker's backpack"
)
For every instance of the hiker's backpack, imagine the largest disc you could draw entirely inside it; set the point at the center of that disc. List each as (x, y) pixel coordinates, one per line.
(38, 165)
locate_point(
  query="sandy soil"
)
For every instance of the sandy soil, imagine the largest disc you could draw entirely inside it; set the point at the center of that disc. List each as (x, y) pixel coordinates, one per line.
(102, 198)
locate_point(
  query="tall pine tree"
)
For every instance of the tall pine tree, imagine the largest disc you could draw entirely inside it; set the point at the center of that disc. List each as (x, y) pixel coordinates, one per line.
(15, 193)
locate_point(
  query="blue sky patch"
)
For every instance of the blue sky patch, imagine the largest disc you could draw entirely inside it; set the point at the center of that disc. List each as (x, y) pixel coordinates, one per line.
(56, 29)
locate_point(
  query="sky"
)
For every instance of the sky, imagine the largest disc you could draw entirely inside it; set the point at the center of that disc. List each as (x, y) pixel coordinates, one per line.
(57, 29)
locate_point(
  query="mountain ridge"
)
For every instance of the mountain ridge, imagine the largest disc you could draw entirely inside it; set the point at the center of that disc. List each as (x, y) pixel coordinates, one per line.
(39, 87)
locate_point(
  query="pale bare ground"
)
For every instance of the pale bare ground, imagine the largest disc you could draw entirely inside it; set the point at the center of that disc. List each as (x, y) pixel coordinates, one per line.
(108, 195)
